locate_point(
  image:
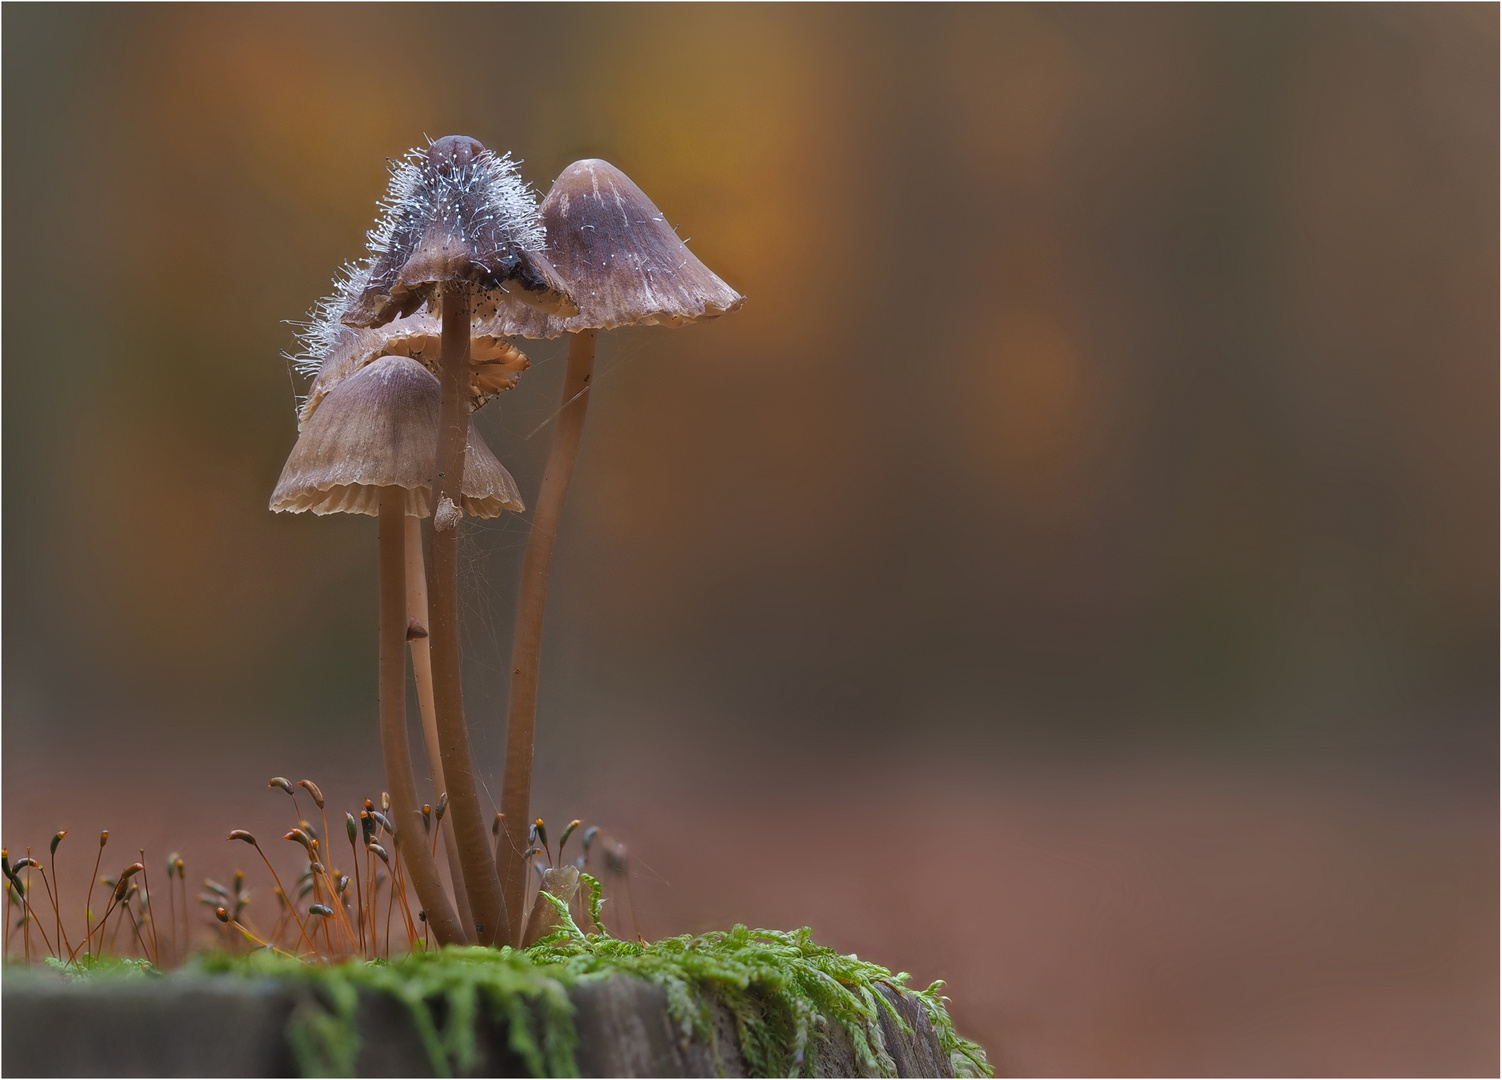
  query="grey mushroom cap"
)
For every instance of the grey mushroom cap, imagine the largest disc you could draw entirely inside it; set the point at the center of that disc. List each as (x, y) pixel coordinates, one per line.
(495, 363)
(623, 262)
(377, 429)
(456, 212)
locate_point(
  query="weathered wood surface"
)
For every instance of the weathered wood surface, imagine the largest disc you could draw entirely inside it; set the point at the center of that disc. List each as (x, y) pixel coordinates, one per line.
(209, 1026)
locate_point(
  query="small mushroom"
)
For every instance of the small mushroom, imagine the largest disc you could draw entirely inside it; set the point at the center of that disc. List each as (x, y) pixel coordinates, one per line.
(626, 266)
(623, 262)
(456, 213)
(369, 449)
(459, 236)
(378, 429)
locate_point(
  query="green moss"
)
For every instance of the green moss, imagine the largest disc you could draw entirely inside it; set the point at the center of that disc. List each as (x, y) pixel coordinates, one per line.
(86, 964)
(780, 986)
(782, 989)
(445, 991)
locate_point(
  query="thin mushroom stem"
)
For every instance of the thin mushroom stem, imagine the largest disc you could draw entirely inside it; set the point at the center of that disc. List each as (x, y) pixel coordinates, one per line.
(480, 878)
(393, 706)
(526, 652)
(422, 672)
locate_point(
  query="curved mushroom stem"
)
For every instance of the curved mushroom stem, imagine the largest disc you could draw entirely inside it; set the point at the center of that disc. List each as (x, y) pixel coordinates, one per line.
(471, 831)
(422, 672)
(526, 651)
(393, 705)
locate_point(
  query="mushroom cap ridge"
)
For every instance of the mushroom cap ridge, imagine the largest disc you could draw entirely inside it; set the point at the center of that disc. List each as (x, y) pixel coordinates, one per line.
(377, 429)
(623, 262)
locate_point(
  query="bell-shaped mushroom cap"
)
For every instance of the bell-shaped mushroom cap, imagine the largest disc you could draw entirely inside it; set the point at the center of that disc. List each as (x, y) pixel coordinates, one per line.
(378, 429)
(455, 212)
(336, 352)
(622, 260)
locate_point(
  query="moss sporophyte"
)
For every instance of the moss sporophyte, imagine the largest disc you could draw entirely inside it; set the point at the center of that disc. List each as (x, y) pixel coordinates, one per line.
(414, 338)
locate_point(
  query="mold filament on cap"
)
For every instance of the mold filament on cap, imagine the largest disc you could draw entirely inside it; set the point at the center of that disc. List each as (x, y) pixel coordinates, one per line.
(455, 212)
(424, 190)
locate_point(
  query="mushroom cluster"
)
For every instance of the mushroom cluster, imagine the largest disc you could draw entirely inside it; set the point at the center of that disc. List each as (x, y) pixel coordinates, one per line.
(414, 339)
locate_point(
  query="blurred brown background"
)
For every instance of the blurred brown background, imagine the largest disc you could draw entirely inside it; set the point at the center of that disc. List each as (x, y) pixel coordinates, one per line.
(1073, 574)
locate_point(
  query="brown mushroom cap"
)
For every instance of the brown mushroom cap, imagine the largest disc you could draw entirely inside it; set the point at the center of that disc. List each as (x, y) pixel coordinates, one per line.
(495, 364)
(378, 429)
(455, 212)
(621, 259)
